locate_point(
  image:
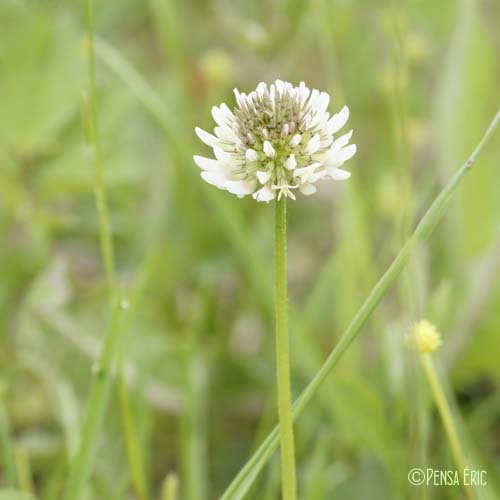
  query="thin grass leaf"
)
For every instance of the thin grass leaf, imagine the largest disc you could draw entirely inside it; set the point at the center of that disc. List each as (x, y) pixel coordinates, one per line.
(99, 393)
(107, 250)
(8, 451)
(130, 429)
(170, 487)
(93, 137)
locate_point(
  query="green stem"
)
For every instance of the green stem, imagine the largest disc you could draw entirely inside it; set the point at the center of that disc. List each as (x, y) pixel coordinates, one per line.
(8, 450)
(247, 475)
(170, 487)
(100, 388)
(193, 427)
(99, 393)
(446, 417)
(129, 427)
(95, 143)
(288, 479)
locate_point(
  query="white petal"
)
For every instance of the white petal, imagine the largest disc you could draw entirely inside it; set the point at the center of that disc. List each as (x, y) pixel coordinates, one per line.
(208, 164)
(226, 134)
(331, 156)
(342, 155)
(313, 144)
(261, 89)
(322, 102)
(326, 142)
(215, 179)
(303, 92)
(263, 176)
(208, 139)
(240, 97)
(299, 172)
(342, 140)
(307, 189)
(251, 155)
(291, 162)
(240, 188)
(224, 156)
(349, 152)
(226, 112)
(307, 173)
(313, 99)
(337, 121)
(269, 150)
(295, 140)
(219, 117)
(264, 194)
(280, 87)
(338, 174)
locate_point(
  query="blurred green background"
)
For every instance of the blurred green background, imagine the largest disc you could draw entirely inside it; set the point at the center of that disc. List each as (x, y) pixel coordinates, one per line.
(421, 81)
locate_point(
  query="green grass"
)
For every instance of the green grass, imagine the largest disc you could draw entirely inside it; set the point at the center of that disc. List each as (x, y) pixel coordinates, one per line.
(195, 395)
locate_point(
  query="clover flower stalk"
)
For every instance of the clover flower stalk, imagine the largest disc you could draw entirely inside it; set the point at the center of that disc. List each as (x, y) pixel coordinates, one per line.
(425, 339)
(279, 139)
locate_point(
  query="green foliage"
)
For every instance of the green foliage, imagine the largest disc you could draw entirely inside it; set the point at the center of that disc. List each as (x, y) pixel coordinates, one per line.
(421, 80)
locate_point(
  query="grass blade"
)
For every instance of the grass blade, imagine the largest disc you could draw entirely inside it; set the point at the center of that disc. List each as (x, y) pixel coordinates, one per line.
(99, 392)
(102, 382)
(95, 144)
(130, 429)
(170, 487)
(8, 453)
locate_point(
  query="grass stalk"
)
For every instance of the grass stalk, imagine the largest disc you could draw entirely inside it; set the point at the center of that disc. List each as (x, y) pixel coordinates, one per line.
(170, 487)
(193, 428)
(446, 418)
(288, 479)
(101, 383)
(99, 393)
(25, 472)
(95, 144)
(8, 450)
(244, 479)
(130, 429)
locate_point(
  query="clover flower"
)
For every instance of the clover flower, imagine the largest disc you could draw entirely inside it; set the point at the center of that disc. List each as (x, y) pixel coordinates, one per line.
(424, 337)
(277, 139)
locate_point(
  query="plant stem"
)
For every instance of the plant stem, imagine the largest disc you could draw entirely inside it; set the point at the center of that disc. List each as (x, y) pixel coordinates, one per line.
(170, 487)
(446, 417)
(10, 473)
(95, 143)
(288, 479)
(130, 429)
(193, 426)
(101, 384)
(247, 475)
(99, 392)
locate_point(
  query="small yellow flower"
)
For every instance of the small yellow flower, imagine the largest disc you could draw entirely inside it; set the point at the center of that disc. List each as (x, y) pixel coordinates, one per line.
(424, 337)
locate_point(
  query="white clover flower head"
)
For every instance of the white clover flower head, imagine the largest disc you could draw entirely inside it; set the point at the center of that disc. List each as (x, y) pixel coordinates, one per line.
(278, 139)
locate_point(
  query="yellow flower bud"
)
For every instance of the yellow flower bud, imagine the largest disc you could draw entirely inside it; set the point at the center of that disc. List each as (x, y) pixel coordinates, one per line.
(424, 337)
